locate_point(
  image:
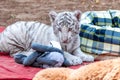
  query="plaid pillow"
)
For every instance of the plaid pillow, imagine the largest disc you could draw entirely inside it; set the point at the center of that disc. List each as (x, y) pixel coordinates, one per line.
(115, 14)
(102, 18)
(98, 40)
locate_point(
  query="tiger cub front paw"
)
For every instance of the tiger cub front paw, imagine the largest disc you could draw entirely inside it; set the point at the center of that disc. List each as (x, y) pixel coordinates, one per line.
(74, 60)
(87, 58)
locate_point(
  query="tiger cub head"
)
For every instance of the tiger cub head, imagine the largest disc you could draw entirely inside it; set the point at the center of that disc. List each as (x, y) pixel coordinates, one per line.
(65, 25)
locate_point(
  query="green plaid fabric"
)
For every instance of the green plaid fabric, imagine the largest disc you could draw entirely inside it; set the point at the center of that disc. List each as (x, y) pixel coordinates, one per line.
(100, 37)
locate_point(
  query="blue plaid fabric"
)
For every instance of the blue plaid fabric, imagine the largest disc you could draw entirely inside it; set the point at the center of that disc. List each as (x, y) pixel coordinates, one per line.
(99, 18)
(115, 14)
(99, 33)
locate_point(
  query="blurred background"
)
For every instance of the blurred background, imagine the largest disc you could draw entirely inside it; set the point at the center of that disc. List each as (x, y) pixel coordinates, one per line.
(37, 10)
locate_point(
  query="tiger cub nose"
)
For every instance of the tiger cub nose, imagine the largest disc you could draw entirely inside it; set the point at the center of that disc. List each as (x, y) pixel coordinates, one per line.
(65, 41)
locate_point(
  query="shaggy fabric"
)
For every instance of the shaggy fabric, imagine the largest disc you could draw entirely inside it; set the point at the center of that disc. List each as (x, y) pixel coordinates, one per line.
(102, 70)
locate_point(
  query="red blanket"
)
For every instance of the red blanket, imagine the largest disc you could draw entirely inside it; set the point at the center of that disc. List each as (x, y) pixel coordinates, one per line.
(9, 70)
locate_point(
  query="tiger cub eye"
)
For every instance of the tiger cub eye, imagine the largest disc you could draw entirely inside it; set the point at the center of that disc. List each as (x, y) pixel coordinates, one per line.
(59, 29)
(70, 29)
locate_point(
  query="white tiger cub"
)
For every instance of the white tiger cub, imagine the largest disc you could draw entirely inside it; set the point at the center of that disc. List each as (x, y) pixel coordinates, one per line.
(18, 37)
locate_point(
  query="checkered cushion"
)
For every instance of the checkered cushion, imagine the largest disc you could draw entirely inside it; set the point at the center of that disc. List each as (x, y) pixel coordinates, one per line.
(99, 39)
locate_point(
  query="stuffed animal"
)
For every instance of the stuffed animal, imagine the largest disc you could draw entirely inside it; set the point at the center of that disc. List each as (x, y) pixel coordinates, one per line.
(43, 57)
(101, 70)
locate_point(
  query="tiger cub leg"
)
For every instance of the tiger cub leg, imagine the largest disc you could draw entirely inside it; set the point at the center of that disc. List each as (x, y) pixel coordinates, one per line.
(72, 60)
(82, 55)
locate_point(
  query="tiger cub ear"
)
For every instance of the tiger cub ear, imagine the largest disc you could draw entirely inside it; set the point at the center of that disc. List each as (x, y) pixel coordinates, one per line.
(52, 15)
(77, 14)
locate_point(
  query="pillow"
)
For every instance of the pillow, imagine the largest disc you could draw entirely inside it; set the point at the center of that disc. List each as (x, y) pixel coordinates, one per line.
(99, 40)
(99, 36)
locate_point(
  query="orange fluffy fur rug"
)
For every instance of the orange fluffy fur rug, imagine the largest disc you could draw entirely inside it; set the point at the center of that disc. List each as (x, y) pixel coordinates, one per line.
(102, 70)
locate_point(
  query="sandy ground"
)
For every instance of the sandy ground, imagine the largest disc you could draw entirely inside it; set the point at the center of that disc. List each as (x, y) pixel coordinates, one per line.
(37, 10)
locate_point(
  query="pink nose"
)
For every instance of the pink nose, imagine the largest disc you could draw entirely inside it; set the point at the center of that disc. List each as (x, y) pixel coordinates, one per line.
(65, 41)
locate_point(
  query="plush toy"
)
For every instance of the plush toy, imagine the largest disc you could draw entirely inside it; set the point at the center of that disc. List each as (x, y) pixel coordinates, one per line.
(102, 70)
(44, 57)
